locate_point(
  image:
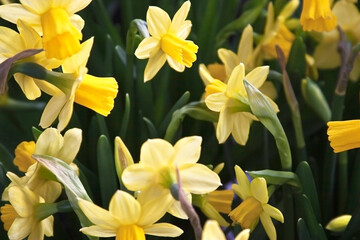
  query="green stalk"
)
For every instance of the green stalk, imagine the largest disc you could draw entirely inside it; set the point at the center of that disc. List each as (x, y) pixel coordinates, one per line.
(343, 181)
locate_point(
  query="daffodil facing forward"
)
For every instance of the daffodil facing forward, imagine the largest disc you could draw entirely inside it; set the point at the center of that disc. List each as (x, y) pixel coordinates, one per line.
(344, 135)
(316, 16)
(167, 41)
(56, 21)
(231, 101)
(127, 218)
(254, 205)
(21, 218)
(156, 171)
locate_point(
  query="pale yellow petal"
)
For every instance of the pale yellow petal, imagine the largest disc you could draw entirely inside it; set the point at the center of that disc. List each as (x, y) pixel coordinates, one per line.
(20, 228)
(259, 190)
(175, 64)
(273, 212)
(245, 48)
(49, 142)
(235, 82)
(148, 47)
(258, 76)
(28, 86)
(355, 72)
(74, 6)
(99, 231)
(241, 127)
(48, 225)
(288, 9)
(23, 200)
(10, 41)
(158, 21)
(176, 210)
(216, 101)
(187, 150)
(212, 231)
(225, 125)
(156, 153)
(71, 145)
(242, 189)
(268, 226)
(184, 30)
(154, 64)
(243, 235)
(205, 74)
(198, 179)
(125, 207)
(326, 55)
(180, 17)
(77, 62)
(37, 232)
(229, 59)
(12, 12)
(77, 22)
(138, 177)
(98, 215)
(163, 230)
(346, 13)
(38, 6)
(66, 113)
(52, 109)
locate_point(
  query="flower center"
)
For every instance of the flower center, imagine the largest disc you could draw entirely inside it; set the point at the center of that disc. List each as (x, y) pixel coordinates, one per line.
(182, 51)
(8, 216)
(60, 38)
(215, 86)
(166, 177)
(130, 232)
(247, 213)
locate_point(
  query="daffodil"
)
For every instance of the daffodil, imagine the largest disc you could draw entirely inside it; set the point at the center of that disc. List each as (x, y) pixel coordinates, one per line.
(167, 41)
(232, 103)
(254, 205)
(326, 53)
(127, 218)
(339, 224)
(23, 154)
(12, 43)
(156, 171)
(316, 15)
(96, 93)
(344, 135)
(212, 231)
(20, 217)
(56, 21)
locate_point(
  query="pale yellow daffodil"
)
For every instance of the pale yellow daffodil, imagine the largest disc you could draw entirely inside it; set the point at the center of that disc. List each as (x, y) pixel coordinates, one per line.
(127, 218)
(96, 93)
(316, 16)
(344, 135)
(254, 205)
(56, 21)
(167, 41)
(212, 231)
(20, 216)
(232, 103)
(156, 171)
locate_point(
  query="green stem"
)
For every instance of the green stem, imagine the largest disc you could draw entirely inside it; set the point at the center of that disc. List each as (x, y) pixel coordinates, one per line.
(44, 210)
(343, 181)
(289, 225)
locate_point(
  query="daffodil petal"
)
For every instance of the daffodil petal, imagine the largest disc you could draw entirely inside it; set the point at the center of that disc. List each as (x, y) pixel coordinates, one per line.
(241, 128)
(98, 231)
(137, 177)
(154, 64)
(28, 86)
(176, 210)
(158, 21)
(52, 109)
(125, 205)
(212, 231)
(49, 142)
(326, 55)
(242, 189)
(163, 230)
(175, 64)
(258, 76)
(180, 16)
(205, 74)
(184, 30)
(36, 6)
(229, 59)
(20, 228)
(225, 125)
(355, 72)
(198, 179)
(98, 215)
(23, 200)
(187, 150)
(71, 146)
(259, 190)
(10, 43)
(148, 47)
(216, 101)
(273, 212)
(235, 82)
(48, 225)
(77, 22)
(66, 113)
(156, 152)
(268, 226)
(12, 12)
(245, 48)
(243, 235)
(74, 6)
(37, 232)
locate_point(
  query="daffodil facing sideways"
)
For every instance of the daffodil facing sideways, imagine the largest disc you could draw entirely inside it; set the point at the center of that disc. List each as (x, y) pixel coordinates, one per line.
(23, 152)
(127, 218)
(75, 85)
(212, 231)
(167, 41)
(231, 101)
(21, 217)
(254, 205)
(316, 16)
(344, 135)
(55, 21)
(155, 174)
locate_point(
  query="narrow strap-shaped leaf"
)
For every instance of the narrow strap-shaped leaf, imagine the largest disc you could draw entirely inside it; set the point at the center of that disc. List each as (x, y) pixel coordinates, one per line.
(302, 230)
(7, 160)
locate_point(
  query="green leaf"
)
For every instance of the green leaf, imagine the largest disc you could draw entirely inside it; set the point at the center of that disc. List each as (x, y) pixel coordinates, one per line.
(296, 64)
(106, 170)
(7, 160)
(126, 116)
(278, 178)
(353, 225)
(303, 232)
(36, 133)
(152, 130)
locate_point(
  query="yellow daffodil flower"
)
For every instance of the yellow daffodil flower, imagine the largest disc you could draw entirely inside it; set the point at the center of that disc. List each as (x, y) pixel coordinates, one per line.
(56, 21)
(127, 218)
(20, 219)
(212, 231)
(254, 205)
(232, 103)
(316, 16)
(344, 135)
(12, 43)
(339, 224)
(96, 93)
(23, 152)
(167, 41)
(326, 54)
(156, 171)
